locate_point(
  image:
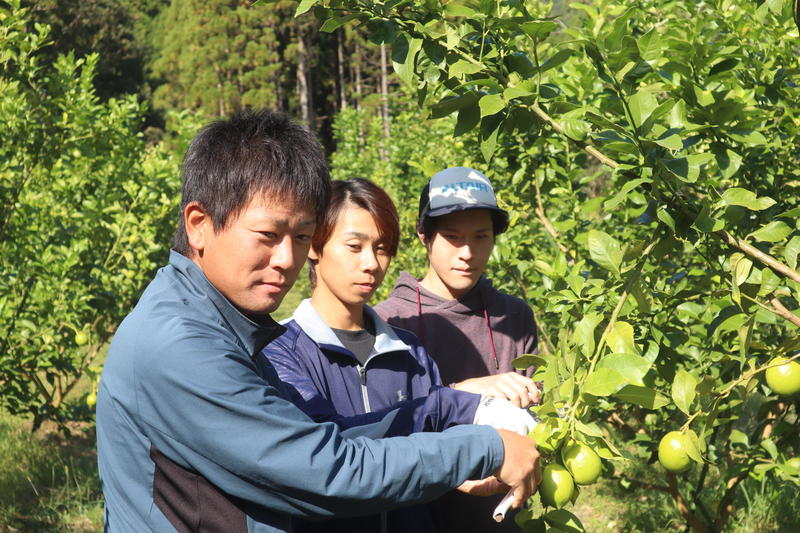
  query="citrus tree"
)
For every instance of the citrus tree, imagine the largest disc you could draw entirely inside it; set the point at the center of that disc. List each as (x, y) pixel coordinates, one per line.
(85, 210)
(648, 154)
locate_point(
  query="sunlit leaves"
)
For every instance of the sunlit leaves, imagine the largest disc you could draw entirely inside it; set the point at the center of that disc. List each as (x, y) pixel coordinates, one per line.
(605, 251)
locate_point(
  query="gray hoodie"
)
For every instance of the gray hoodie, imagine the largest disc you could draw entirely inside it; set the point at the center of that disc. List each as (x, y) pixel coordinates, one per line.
(476, 335)
(472, 336)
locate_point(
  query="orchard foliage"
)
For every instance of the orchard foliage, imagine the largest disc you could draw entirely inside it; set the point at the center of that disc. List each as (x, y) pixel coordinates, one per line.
(648, 153)
(86, 210)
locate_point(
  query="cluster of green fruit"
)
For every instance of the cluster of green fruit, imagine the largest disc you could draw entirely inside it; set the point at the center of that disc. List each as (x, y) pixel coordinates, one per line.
(674, 447)
(579, 465)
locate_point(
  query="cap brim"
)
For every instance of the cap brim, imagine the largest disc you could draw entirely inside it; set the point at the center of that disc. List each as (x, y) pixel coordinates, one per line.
(446, 210)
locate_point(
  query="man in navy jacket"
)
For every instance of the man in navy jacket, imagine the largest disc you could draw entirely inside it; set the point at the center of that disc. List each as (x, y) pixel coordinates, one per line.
(195, 431)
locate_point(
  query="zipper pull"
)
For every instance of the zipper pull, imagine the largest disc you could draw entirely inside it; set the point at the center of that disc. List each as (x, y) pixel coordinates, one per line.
(362, 372)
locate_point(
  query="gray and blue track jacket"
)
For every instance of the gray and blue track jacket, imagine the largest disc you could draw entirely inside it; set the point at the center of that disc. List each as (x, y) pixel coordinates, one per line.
(195, 431)
(399, 377)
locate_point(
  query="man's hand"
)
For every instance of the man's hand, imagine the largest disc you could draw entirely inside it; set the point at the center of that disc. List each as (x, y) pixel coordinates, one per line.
(502, 414)
(483, 487)
(517, 389)
(520, 469)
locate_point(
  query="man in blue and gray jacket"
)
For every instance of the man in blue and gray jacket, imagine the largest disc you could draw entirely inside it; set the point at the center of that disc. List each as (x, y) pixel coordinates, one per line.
(195, 431)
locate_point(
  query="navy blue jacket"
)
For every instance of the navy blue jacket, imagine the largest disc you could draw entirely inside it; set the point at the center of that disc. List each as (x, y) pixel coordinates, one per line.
(195, 431)
(398, 377)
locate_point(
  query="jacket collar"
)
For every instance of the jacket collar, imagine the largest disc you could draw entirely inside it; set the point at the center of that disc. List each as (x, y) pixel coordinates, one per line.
(310, 321)
(253, 333)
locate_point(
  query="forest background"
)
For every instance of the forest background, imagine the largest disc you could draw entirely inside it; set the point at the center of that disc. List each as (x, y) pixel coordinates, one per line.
(648, 157)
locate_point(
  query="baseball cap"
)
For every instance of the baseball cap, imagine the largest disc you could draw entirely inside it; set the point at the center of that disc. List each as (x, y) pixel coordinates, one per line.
(458, 189)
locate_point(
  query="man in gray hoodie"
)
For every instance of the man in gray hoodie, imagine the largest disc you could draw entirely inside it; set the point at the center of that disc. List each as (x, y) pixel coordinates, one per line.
(472, 330)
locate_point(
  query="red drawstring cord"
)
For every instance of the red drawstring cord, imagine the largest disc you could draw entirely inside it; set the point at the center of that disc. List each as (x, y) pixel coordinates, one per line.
(491, 338)
(421, 324)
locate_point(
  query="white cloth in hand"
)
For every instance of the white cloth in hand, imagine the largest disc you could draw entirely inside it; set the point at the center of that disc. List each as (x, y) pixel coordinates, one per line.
(502, 414)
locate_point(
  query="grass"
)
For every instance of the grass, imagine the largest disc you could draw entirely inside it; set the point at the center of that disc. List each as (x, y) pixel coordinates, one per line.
(48, 482)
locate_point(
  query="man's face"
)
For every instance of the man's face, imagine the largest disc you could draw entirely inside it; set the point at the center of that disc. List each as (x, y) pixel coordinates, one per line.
(353, 261)
(459, 250)
(255, 260)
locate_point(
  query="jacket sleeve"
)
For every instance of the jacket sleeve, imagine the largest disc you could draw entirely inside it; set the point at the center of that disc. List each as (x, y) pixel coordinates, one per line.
(207, 408)
(436, 412)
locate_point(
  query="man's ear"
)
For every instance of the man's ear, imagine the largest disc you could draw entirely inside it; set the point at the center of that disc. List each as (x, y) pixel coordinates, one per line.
(313, 256)
(198, 226)
(422, 239)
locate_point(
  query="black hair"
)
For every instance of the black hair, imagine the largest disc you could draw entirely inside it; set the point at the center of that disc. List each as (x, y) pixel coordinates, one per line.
(252, 152)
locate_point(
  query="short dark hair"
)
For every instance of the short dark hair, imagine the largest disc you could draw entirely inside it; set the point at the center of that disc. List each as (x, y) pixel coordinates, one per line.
(366, 195)
(252, 152)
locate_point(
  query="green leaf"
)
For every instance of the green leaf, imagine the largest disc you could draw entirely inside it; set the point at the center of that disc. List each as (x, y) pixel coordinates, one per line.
(538, 30)
(671, 142)
(633, 367)
(740, 268)
(775, 231)
(468, 118)
(576, 129)
(605, 251)
(684, 390)
(695, 447)
(737, 437)
(564, 521)
(304, 6)
(459, 9)
(451, 104)
(624, 191)
(521, 90)
(404, 56)
(590, 429)
(642, 396)
(642, 104)
(461, 67)
(770, 448)
(620, 338)
(687, 168)
(604, 382)
(745, 198)
(791, 251)
(528, 360)
(706, 223)
(584, 333)
(556, 59)
(748, 137)
(491, 104)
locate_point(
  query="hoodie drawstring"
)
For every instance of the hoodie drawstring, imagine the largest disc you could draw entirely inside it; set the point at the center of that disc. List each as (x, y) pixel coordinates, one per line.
(421, 325)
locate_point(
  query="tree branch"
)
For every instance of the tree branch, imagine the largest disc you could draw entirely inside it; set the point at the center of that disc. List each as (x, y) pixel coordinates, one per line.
(547, 224)
(752, 251)
(687, 514)
(785, 313)
(588, 148)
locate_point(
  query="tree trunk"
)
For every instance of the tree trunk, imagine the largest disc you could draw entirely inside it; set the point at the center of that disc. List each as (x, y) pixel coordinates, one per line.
(385, 102)
(340, 57)
(304, 80)
(358, 75)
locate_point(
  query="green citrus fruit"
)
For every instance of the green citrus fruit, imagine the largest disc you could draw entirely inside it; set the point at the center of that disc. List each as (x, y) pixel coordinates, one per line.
(582, 463)
(548, 434)
(81, 338)
(91, 399)
(784, 379)
(793, 465)
(556, 487)
(672, 452)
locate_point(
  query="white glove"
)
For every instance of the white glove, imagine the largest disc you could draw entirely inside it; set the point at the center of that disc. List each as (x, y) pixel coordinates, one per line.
(502, 414)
